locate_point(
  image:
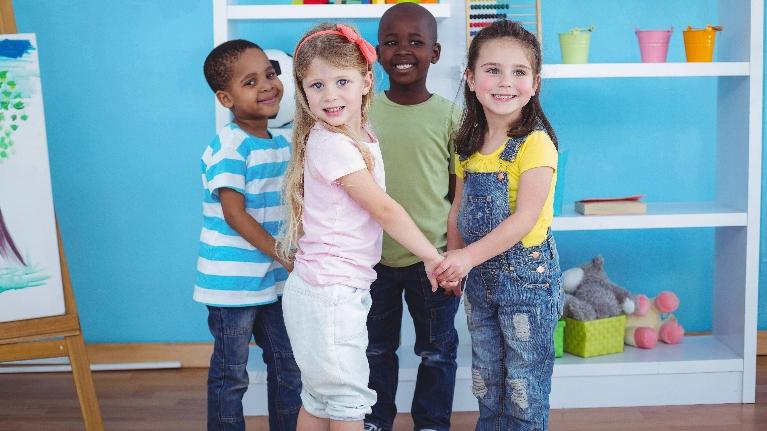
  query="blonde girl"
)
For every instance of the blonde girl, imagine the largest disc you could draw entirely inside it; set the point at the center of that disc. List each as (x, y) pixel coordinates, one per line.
(337, 207)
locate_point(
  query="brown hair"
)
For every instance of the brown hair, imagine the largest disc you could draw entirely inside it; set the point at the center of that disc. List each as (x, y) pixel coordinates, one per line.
(471, 132)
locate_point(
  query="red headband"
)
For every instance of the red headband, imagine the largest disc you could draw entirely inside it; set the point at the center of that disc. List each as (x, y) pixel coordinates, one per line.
(342, 30)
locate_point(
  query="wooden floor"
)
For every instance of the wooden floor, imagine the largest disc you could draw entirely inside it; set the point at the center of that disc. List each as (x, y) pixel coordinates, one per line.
(171, 400)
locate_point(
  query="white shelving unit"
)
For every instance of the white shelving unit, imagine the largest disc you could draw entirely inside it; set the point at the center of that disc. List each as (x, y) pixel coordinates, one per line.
(324, 11)
(659, 215)
(712, 369)
(645, 70)
(719, 368)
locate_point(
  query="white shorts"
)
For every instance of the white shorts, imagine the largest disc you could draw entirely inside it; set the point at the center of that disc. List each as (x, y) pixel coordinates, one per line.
(327, 327)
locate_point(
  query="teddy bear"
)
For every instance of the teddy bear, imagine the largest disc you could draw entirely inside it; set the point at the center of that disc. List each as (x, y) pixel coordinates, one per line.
(590, 295)
(651, 321)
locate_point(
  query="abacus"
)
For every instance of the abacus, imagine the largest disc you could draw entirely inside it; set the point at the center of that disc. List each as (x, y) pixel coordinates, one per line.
(480, 13)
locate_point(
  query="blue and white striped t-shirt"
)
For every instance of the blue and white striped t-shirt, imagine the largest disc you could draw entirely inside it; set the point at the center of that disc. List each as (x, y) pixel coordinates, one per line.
(230, 271)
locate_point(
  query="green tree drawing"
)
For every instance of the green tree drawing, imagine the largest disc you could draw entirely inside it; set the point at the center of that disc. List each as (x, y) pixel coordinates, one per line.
(19, 275)
(11, 114)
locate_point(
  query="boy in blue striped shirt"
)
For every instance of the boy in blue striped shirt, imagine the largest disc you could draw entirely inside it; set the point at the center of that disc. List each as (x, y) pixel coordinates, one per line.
(239, 276)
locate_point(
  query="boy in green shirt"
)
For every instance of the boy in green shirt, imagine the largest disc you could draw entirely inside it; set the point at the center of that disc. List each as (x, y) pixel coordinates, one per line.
(414, 128)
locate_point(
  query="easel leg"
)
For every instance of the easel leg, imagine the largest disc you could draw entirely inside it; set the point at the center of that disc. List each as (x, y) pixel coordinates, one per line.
(86, 392)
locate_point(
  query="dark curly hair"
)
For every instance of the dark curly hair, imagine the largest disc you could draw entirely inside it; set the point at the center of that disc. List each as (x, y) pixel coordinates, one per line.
(471, 133)
(218, 64)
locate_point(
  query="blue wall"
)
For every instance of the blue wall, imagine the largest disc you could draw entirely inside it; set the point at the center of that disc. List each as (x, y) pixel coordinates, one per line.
(128, 115)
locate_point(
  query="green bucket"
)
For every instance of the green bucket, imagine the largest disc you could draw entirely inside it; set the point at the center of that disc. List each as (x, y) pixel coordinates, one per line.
(574, 45)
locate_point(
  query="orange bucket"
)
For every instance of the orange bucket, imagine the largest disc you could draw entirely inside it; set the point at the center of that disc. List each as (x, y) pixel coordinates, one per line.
(699, 43)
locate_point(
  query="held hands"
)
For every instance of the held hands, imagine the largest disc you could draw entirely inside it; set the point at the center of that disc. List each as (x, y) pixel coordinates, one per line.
(456, 265)
(430, 266)
(452, 287)
(449, 271)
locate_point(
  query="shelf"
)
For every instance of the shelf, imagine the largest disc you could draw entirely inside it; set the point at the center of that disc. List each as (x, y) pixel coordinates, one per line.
(322, 11)
(639, 70)
(659, 215)
(700, 370)
(696, 354)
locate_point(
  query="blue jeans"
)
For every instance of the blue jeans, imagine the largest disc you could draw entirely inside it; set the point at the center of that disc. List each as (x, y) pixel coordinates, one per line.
(436, 343)
(232, 329)
(512, 314)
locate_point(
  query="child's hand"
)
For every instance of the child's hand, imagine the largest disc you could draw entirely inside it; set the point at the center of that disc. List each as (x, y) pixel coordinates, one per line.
(430, 265)
(452, 287)
(287, 264)
(456, 265)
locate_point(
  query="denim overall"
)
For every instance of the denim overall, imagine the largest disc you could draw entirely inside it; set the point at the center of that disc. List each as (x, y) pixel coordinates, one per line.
(513, 302)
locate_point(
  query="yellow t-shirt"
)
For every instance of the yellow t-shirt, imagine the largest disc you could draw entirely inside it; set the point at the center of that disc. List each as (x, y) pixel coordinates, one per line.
(538, 150)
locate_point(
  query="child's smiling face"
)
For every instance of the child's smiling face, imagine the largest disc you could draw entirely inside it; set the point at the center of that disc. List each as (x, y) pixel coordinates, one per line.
(503, 79)
(254, 91)
(334, 94)
(407, 46)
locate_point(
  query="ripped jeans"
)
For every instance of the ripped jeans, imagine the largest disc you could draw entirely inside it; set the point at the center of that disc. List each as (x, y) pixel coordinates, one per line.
(513, 302)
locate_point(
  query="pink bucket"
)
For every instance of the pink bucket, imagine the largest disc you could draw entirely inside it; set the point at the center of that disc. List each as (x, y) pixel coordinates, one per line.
(653, 44)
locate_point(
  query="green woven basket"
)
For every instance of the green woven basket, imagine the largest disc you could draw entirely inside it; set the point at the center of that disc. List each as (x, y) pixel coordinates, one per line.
(559, 339)
(596, 337)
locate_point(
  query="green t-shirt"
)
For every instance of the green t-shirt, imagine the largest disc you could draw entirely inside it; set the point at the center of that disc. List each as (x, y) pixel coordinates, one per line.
(418, 154)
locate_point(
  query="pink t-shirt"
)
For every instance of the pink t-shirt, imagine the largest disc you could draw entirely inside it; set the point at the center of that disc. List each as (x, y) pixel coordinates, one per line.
(341, 240)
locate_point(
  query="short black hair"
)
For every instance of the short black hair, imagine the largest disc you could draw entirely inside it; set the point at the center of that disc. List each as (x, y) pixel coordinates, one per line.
(410, 9)
(218, 64)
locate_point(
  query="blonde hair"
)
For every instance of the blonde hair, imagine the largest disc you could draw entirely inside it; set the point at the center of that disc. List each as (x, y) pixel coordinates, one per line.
(340, 52)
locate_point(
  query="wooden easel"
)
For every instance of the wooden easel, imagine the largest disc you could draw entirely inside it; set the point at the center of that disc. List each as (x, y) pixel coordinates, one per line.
(42, 337)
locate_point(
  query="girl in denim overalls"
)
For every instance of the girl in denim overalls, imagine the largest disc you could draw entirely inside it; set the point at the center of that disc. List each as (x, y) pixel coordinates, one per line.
(502, 214)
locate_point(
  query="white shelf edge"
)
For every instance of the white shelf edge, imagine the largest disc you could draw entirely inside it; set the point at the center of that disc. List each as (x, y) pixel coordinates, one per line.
(322, 11)
(701, 370)
(640, 70)
(659, 216)
(695, 355)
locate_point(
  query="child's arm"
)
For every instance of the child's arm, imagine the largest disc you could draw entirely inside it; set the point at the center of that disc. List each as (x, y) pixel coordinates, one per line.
(534, 185)
(233, 205)
(392, 217)
(451, 187)
(454, 239)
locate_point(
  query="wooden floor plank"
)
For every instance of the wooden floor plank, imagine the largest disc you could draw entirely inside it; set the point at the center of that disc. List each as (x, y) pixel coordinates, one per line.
(174, 400)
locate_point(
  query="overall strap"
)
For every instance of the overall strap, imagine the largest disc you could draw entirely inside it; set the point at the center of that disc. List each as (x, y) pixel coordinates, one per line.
(514, 144)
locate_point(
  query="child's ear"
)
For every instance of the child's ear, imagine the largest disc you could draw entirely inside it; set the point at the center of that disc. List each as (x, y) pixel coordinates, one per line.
(436, 50)
(225, 99)
(470, 79)
(367, 83)
(378, 53)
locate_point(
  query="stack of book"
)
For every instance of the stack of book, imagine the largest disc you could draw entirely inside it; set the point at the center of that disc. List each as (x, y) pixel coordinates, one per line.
(611, 206)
